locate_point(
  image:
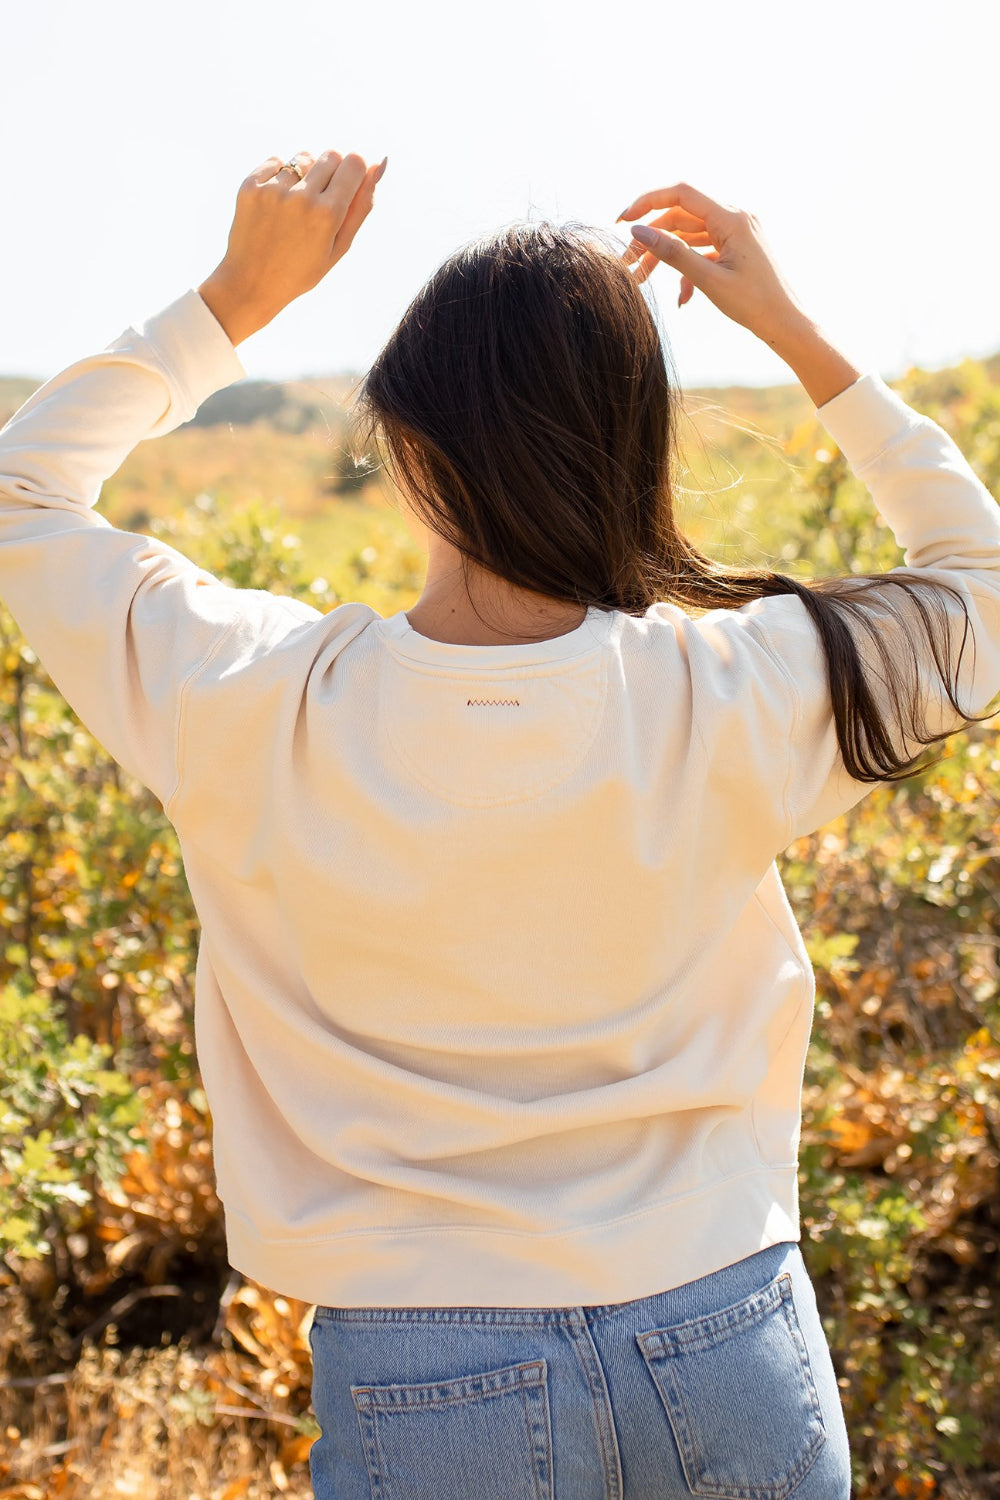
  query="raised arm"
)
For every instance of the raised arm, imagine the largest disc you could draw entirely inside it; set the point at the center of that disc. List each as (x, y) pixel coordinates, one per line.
(739, 274)
(122, 622)
(768, 657)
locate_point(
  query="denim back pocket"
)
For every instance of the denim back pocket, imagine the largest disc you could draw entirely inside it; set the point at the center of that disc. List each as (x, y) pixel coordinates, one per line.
(487, 1436)
(740, 1397)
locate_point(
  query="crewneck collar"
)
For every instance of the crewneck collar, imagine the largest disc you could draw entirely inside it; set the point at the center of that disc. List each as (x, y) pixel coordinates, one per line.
(596, 629)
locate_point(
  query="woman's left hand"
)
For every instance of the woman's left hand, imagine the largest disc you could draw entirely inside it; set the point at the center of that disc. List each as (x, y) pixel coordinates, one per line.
(286, 234)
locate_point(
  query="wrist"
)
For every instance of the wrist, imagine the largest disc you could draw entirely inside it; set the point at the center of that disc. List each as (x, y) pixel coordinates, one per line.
(820, 367)
(795, 332)
(237, 315)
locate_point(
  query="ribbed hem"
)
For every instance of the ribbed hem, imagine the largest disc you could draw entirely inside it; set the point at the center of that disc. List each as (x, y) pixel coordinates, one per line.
(865, 419)
(649, 1251)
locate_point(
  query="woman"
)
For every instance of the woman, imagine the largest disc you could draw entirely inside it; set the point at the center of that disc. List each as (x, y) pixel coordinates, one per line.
(501, 1008)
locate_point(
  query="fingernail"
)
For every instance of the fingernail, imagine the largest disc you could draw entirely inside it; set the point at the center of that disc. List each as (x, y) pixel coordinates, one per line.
(381, 168)
(644, 234)
(623, 213)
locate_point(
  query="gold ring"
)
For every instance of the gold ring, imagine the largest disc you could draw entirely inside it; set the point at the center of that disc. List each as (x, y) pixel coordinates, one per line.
(293, 165)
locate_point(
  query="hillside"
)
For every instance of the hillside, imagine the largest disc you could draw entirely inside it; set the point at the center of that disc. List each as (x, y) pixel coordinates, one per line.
(288, 406)
(322, 402)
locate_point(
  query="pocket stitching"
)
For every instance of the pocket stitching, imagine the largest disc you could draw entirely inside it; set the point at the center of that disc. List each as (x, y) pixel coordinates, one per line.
(531, 1384)
(752, 1309)
(776, 1297)
(798, 1338)
(529, 1373)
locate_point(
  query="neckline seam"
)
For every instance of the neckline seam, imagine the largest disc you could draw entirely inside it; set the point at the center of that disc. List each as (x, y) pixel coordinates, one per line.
(403, 640)
(452, 667)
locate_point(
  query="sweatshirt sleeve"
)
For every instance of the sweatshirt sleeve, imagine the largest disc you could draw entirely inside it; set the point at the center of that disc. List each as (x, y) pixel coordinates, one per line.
(948, 525)
(121, 622)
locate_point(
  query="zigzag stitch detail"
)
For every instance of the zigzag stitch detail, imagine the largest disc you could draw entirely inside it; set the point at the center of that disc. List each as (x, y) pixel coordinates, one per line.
(485, 702)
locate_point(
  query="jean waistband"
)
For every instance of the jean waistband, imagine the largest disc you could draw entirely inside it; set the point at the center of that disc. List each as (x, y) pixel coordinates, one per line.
(731, 1280)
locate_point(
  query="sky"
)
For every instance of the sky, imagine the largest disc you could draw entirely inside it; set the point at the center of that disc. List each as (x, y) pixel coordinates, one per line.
(863, 135)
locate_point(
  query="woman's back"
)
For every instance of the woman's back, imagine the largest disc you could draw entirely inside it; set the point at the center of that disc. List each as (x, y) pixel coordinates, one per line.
(493, 937)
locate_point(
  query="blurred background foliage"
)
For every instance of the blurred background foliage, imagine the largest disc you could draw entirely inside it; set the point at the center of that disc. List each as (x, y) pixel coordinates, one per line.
(132, 1360)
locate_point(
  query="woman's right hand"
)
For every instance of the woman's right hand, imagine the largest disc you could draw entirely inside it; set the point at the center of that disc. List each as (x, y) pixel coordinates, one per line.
(738, 273)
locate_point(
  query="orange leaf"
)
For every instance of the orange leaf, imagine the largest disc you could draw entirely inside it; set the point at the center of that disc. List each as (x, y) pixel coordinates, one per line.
(235, 1490)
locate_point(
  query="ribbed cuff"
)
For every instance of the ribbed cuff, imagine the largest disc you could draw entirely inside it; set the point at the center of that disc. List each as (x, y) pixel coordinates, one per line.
(865, 419)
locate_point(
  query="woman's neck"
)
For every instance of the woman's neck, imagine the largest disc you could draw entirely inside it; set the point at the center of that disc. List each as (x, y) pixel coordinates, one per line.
(494, 613)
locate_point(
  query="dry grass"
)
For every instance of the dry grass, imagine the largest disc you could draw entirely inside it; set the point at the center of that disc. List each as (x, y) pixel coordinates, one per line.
(220, 1412)
(169, 1422)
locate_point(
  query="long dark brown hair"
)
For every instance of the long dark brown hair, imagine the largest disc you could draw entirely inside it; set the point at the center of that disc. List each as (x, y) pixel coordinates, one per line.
(527, 406)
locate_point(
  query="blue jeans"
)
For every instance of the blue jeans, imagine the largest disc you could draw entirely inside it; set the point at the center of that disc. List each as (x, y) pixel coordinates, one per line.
(723, 1387)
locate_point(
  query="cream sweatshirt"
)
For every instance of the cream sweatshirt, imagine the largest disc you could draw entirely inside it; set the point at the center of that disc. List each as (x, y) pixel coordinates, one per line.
(499, 996)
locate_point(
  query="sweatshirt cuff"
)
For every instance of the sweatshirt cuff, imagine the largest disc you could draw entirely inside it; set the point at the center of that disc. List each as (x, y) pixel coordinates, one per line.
(865, 418)
(195, 350)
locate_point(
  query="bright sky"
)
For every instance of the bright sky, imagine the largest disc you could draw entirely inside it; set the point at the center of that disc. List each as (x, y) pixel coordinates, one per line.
(863, 135)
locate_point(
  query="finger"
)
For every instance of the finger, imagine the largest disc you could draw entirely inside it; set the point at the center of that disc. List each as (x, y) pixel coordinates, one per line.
(671, 249)
(674, 218)
(288, 177)
(358, 210)
(690, 237)
(634, 249)
(266, 170)
(348, 175)
(680, 221)
(322, 170)
(645, 268)
(682, 195)
(687, 285)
